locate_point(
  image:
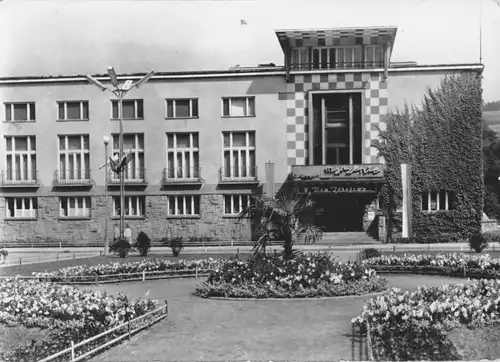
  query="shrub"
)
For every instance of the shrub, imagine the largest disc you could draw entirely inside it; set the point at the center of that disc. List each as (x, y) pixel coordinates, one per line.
(492, 237)
(143, 243)
(120, 246)
(478, 242)
(369, 253)
(176, 245)
(414, 326)
(305, 276)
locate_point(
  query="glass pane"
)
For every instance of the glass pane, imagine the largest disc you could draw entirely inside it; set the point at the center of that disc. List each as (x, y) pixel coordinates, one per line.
(140, 141)
(140, 109)
(62, 143)
(74, 143)
(62, 165)
(227, 204)
(442, 200)
(183, 140)
(349, 56)
(227, 140)
(238, 106)
(236, 165)
(180, 205)
(85, 110)
(304, 57)
(73, 110)
(340, 57)
(32, 111)
(8, 114)
(170, 109)
(61, 110)
(134, 206)
(189, 199)
(251, 137)
(9, 143)
(251, 104)
(337, 135)
(358, 58)
(33, 143)
(295, 56)
(252, 168)
(171, 205)
(182, 108)
(315, 56)
(20, 112)
(21, 143)
(433, 201)
(324, 58)
(379, 56)
(332, 58)
(170, 164)
(194, 107)
(116, 142)
(114, 106)
(239, 140)
(128, 141)
(170, 140)
(128, 109)
(196, 205)
(195, 140)
(86, 142)
(33, 167)
(227, 164)
(225, 107)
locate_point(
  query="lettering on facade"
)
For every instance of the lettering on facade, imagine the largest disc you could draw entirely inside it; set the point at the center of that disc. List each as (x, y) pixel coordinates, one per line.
(352, 170)
(337, 172)
(338, 189)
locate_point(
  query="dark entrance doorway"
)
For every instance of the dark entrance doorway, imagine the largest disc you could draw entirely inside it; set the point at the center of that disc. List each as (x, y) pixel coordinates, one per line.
(340, 212)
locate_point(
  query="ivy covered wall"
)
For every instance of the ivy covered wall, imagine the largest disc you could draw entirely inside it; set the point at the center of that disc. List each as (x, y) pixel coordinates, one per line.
(442, 140)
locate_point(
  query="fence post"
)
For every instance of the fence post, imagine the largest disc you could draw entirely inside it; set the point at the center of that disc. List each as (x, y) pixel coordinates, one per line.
(232, 243)
(166, 308)
(128, 326)
(60, 246)
(72, 351)
(143, 275)
(238, 253)
(360, 344)
(353, 343)
(196, 272)
(96, 280)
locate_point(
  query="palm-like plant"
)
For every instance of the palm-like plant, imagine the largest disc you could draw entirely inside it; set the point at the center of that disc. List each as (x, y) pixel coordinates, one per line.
(279, 218)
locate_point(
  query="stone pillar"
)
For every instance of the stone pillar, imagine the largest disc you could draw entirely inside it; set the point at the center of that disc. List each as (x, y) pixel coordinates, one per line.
(382, 228)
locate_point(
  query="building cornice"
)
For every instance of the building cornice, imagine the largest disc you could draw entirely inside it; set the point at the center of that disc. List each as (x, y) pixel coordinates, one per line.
(238, 73)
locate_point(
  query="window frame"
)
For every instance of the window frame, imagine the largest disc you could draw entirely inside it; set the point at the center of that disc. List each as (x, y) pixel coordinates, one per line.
(239, 150)
(30, 111)
(193, 152)
(75, 154)
(86, 207)
(136, 116)
(247, 104)
(65, 104)
(136, 151)
(241, 205)
(195, 201)
(33, 207)
(31, 174)
(140, 201)
(428, 194)
(191, 107)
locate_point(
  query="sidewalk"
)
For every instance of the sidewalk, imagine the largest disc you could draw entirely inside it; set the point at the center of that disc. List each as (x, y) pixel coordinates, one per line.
(234, 249)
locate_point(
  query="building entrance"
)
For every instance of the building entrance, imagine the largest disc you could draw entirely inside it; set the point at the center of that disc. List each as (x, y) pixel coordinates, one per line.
(340, 212)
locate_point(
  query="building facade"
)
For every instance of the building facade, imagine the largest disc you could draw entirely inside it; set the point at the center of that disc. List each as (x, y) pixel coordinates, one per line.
(200, 141)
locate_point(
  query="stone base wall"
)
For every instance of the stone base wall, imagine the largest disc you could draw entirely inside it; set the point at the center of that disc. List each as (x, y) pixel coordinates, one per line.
(156, 223)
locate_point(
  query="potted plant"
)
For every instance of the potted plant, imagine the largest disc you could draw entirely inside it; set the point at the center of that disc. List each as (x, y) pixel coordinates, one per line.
(3, 255)
(120, 246)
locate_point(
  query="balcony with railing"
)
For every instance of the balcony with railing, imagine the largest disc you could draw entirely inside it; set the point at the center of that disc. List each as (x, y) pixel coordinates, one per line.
(133, 176)
(181, 175)
(19, 178)
(238, 175)
(73, 177)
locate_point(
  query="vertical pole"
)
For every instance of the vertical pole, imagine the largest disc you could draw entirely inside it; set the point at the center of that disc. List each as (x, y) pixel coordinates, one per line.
(143, 275)
(353, 343)
(196, 272)
(323, 130)
(351, 130)
(106, 212)
(122, 175)
(405, 179)
(128, 326)
(72, 351)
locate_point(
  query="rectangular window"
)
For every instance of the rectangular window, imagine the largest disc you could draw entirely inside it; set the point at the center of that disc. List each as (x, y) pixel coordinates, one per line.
(238, 107)
(20, 112)
(73, 111)
(300, 58)
(132, 109)
(182, 156)
(436, 200)
(21, 159)
(134, 206)
(21, 207)
(374, 56)
(182, 108)
(75, 206)
(234, 204)
(184, 205)
(74, 157)
(239, 155)
(134, 143)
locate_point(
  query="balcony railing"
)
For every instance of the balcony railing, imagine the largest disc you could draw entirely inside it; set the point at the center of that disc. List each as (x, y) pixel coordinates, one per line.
(132, 176)
(18, 178)
(181, 175)
(337, 65)
(242, 174)
(72, 177)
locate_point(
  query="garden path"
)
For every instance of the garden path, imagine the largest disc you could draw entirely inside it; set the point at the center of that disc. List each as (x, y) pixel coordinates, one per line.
(203, 329)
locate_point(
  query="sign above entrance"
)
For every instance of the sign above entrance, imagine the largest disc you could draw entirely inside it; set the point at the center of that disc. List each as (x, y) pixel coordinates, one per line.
(339, 190)
(338, 172)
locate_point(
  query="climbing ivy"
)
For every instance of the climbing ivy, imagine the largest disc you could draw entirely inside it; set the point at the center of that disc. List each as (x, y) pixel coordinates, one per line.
(442, 141)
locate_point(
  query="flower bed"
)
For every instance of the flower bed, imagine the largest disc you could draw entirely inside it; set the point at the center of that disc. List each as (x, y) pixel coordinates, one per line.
(121, 271)
(306, 276)
(65, 314)
(414, 326)
(453, 264)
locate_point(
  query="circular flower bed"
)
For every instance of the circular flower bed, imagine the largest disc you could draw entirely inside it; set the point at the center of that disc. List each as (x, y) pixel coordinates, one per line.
(483, 266)
(414, 326)
(65, 313)
(306, 276)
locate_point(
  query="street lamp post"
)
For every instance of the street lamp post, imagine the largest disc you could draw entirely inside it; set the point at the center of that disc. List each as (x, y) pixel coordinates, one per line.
(105, 140)
(120, 90)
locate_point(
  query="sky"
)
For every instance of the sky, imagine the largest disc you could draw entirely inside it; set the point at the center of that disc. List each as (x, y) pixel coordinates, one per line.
(65, 37)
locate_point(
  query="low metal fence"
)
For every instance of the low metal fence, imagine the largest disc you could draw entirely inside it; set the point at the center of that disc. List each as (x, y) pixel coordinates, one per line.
(361, 344)
(84, 349)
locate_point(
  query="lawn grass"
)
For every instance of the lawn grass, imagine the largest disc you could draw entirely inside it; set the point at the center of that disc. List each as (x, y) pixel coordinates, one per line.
(476, 344)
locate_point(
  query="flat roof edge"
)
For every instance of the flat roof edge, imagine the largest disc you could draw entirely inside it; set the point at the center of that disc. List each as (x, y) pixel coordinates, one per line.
(274, 71)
